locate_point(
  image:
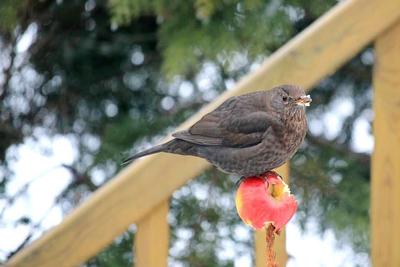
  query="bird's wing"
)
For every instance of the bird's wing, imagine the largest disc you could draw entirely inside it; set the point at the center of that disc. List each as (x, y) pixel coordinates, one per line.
(233, 124)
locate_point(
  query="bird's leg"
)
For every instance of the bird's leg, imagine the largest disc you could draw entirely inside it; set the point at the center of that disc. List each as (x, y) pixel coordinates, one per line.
(261, 176)
(241, 179)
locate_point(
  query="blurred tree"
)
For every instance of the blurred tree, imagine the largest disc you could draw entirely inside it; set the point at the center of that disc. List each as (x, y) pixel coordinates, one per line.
(118, 74)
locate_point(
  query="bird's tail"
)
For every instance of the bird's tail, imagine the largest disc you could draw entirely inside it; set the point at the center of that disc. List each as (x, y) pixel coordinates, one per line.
(174, 146)
(152, 150)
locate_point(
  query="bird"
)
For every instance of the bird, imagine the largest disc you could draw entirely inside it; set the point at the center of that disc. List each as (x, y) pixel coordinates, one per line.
(246, 135)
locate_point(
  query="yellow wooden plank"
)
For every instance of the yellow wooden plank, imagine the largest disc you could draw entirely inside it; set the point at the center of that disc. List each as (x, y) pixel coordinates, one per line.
(310, 56)
(152, 238)
(280, 241)
(385, 198)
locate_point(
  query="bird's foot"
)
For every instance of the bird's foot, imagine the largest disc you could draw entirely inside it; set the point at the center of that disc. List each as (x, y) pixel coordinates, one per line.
(261, 176)
(241, 179)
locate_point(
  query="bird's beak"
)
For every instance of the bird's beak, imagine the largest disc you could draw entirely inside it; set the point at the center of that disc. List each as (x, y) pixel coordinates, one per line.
(304, 100)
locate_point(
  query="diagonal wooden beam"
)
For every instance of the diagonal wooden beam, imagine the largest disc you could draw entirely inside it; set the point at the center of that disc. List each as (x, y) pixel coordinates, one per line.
(135, 191)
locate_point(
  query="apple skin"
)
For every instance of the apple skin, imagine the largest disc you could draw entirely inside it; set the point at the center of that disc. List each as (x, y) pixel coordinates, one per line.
(263, 200)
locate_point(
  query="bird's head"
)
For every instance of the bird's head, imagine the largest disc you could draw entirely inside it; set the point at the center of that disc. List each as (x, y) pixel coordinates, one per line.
(290, 99)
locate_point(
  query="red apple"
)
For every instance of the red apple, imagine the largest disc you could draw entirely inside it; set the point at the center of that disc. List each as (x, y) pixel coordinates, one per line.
(265, 199)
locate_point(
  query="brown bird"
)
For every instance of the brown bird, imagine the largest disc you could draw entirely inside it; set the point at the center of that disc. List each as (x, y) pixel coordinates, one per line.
(246, 135)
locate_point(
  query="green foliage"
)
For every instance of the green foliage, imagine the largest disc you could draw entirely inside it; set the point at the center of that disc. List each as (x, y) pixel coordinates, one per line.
(118, 254)
(191, 32)
(335, 191)
(9, 14)
(205, 225)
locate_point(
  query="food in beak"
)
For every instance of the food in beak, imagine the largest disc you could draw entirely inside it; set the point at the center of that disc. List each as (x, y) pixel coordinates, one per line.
(304, 100)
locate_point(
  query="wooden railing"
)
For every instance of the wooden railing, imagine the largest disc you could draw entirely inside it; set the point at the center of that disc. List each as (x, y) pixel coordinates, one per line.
(139, 194)
(385, 185)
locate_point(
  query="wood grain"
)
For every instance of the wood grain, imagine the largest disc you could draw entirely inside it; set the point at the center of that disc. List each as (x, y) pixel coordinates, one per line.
(136, 190)
(385, 198)
(280, 241)
(152, 238)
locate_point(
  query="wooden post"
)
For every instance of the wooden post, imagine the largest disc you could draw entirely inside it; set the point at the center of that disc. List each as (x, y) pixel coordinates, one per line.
(280, 241)
(152, 238)
(385, 198)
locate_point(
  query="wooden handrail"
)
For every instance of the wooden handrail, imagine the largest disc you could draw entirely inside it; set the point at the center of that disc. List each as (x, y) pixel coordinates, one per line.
(135, 191)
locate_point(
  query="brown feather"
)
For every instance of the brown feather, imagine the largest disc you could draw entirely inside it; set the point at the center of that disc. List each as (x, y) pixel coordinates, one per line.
(248, 134)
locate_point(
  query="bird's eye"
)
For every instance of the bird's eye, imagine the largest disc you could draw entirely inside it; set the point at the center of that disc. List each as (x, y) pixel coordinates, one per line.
(284, 98)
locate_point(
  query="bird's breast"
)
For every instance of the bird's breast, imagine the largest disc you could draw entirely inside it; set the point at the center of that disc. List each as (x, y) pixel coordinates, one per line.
(294, 135)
